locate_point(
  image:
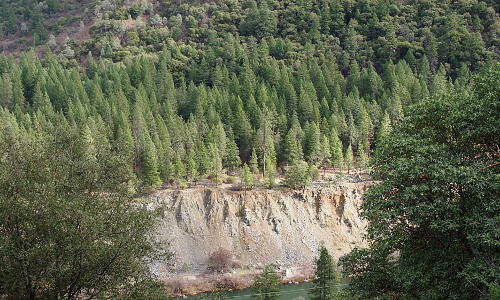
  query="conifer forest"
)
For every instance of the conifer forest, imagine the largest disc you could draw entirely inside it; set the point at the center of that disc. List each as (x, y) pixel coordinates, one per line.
(119, 97)
(185, 88)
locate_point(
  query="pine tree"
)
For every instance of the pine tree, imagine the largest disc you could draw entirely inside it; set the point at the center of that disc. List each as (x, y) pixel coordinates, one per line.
(265, 141)
(191, 166)
(291, 146)
(313, 144)
(6, 91)
(254, 163)
(384, 128)
(18, 99)
(242, 129)
(349, 157)
(215, 163)
(266, 285)
(247, 177)
(335, 148)
(232, 157)
(179, 169)
(270, 175)
(326, 282)
(325, 153)
(150, 166)
(305, 109)
(91, 66)
(298, 175)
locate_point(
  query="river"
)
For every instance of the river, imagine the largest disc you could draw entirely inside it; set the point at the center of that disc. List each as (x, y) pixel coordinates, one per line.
(288, 292)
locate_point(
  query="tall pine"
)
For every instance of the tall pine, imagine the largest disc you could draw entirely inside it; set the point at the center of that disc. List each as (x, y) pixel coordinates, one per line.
(326, 282)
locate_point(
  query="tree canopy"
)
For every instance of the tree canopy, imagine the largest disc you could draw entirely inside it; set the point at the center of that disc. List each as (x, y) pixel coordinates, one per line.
(326, 282)
(266, 285)
(433, 220)
(198, 88)
(70, 228)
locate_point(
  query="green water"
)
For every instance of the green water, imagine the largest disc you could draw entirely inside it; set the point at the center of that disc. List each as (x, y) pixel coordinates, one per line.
(288, 291)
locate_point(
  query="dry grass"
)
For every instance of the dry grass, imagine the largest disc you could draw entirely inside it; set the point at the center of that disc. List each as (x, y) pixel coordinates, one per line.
(189, 283)
(186, 284)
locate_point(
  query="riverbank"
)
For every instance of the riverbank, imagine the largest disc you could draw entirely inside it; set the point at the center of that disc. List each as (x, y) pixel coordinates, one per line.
(188, 284)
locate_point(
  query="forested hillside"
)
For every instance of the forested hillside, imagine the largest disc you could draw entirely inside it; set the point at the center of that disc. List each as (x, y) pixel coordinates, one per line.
(100, 100)
(186, 89)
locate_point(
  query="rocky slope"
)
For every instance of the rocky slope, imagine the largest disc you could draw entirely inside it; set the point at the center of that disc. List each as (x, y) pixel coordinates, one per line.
(260, 226)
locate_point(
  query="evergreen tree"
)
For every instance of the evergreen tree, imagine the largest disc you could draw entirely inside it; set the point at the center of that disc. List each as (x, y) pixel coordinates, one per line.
(291, 148)
(232, 157)
(337, 156)
(191, 166)
(242, 129)
(254, 163)
(266, 285)
(325, 153)
(18, 100)
(325, 284)
(150, 166)
(313, 144)
(265, 141)
(179, 171)
(247, 177)
(215, 163)
(349, 157)
(384, 128)
(6, 96)
(298, 175)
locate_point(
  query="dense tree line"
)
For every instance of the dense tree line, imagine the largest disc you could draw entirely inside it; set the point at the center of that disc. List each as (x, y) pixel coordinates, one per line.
(264, 113)
(190, 89)
(368, 32)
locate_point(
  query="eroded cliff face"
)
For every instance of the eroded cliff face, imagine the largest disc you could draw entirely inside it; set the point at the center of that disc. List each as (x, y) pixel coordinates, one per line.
(261, 226)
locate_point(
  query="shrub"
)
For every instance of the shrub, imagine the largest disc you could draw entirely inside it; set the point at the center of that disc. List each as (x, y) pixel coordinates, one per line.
(231, 179)
(221, 260)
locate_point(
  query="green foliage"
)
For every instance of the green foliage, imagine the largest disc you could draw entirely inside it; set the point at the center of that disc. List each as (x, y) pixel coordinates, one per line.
(494, 290)
(298, 175)
(349, 157)
(253, 164)
(327, 277)
(70, 226)
(247, 177)
(438, 197)
(264, 83)
(266, 285)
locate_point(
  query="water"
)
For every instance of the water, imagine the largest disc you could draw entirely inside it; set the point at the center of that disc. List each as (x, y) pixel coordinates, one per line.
(288, 291)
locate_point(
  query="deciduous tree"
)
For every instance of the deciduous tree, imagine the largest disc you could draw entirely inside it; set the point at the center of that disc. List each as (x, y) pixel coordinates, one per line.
(433, 220)
(70, 228)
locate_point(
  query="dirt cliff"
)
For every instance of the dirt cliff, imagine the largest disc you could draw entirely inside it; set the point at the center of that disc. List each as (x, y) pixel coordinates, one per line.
(261, 226)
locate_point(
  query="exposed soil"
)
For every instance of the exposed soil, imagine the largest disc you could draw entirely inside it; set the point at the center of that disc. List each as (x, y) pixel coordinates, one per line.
(278, 226)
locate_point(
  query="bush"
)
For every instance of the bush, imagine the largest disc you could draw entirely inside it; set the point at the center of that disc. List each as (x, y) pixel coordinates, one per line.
(231, 179)
(221, 260)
